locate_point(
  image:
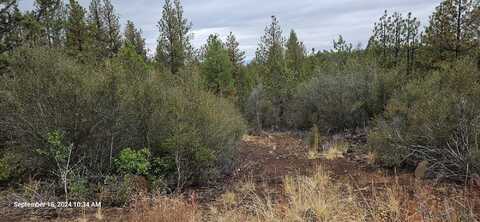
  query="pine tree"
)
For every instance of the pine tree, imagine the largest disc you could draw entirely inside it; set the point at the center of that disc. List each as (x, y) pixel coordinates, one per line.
(396, 35)
(342, 50)
(270, 56)
(412, 42)
(217, 67)
(395, 39)
(174, 46)
(76, 28)
(237, 57)
(112, 28)
(96, 28)
(270, 52)
(50, 14)
(451, 32)
(134, 39)
(10, 19)
(295, 55)
(379, 42)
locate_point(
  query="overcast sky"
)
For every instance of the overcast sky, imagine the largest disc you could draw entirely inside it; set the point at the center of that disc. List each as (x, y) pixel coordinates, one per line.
(317, 22)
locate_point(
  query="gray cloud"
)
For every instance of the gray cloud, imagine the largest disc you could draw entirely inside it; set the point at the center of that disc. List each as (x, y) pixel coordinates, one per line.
(317, 22)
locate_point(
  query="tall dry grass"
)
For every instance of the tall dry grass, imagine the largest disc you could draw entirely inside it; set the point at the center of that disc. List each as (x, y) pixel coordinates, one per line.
(319, 198)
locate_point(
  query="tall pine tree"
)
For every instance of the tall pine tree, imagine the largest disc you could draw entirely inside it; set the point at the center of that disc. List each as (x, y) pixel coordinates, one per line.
(133, 38)
(452, 30)
(112, 28)
(50, 14)
(10, 19)
(76, 28)
(270, 56)
(295, 55)
(174, 45)
(217, 67)
(96, 28)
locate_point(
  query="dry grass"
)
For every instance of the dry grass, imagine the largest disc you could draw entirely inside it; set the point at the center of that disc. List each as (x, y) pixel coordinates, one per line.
(318, 198)
(164, 209)
(336, 150)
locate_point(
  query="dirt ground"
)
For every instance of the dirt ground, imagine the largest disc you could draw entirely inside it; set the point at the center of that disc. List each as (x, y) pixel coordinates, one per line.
(266, 160)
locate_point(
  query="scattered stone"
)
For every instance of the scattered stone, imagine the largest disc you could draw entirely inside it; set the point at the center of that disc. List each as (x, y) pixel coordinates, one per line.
(421, 170)
(475, 180)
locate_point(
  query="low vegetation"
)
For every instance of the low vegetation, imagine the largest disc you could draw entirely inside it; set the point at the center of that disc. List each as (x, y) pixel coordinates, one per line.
(319, 198)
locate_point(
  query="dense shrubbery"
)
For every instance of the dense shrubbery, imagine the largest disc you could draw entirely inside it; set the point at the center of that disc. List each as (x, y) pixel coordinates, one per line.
(435, 118)
(337, 99)
(101, 110)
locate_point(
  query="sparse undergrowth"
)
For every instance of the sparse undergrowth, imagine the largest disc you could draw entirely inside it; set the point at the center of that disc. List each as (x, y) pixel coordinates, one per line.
(319, 198)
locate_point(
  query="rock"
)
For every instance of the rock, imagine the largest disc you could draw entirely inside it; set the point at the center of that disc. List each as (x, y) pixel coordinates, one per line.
(421, 170)
(475, 180)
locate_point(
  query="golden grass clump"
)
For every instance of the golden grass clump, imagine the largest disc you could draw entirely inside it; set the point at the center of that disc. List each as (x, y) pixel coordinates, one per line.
(164, 209)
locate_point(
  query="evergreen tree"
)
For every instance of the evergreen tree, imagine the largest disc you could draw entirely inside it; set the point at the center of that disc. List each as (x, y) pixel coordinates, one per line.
(342, 46)
(270, 55)
(295, 55)
(134, 39)
(112, 28)
(395, 40)
(96, 28)
(237, 57)
(411, 41)
(452, 30)
(217, 68)
(76, 28)
(50, 15)
(10, 21)
(379, 42)
(174, 41)
(341, 51)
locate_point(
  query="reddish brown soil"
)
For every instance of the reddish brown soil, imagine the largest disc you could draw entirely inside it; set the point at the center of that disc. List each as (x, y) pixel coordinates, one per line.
(266, 160)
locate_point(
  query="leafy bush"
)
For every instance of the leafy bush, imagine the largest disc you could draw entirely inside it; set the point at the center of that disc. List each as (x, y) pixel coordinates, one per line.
(133, 162)
(435, 119)
(121, 103)
(343, 99)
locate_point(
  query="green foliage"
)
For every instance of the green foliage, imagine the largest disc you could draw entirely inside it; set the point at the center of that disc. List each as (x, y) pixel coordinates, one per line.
(335, 99)
(434, 119)
(452, 32)
(79, 189)
(117, 191)
(10, 166)
(120, 104)
(173, 47)
(295, 56)
(76, 28)
(134, 39)
(217, 67)
(10, 20)
(134, 162)
(50, 16)
(395, 41)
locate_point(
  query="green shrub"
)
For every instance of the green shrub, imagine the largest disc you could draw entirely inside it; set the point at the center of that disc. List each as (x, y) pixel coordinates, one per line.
(435, 119)
(117, 191)
(134, 162)
(79, 189)
(120, 103)
(9, 167)
(345, 97)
